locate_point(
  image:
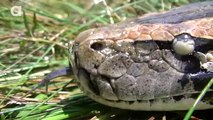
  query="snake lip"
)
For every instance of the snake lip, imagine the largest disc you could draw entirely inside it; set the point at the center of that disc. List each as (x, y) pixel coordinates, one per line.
(93, 92)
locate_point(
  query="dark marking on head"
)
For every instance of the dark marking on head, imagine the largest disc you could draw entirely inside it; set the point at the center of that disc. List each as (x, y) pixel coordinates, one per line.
(178, 98)
(207, 97)
(200, 83)
(131, 102)
(184, 81)
(152, 101)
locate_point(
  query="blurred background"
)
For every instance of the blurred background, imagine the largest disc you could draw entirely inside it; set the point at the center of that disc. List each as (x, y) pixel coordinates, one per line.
(34, 39)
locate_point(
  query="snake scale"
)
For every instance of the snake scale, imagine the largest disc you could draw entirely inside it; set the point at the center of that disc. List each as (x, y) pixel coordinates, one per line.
(155, 62)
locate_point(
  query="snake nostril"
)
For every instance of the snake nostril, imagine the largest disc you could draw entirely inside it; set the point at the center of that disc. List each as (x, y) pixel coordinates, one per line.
(98, 46)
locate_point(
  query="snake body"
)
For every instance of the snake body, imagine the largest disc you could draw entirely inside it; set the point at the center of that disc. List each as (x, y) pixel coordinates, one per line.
(153, 62)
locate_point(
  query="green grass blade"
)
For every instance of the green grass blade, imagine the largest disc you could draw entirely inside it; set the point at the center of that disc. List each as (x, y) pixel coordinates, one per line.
(191, 110)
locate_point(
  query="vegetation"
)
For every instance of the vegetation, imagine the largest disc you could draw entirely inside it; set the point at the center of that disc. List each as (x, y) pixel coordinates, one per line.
(36, 42)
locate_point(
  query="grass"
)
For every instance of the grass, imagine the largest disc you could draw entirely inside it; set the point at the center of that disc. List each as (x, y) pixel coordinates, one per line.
(35, 43)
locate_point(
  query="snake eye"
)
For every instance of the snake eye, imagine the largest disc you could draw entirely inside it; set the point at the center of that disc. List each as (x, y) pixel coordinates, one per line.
(183, 44)
(98, 46)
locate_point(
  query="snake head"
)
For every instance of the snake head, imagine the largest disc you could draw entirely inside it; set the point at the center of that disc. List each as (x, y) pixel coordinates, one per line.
(110, 69)
(149, 60)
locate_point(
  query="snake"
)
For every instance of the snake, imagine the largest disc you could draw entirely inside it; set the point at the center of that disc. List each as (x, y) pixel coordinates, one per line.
(156, 62)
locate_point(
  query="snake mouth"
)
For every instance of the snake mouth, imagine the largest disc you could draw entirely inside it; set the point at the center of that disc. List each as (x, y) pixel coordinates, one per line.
(128, 95)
